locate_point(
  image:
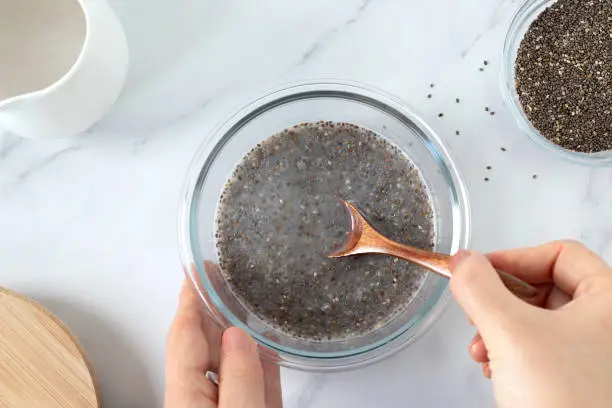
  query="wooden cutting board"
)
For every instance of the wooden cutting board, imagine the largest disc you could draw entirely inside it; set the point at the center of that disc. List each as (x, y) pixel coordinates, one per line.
(41, 363)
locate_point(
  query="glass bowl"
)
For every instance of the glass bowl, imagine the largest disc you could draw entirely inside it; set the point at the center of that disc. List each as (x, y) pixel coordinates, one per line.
(524, 17)
(274, 112)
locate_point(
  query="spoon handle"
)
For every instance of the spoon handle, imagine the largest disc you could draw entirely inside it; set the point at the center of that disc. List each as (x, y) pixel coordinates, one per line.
(365, 239)
(517, 286)
(439, 263)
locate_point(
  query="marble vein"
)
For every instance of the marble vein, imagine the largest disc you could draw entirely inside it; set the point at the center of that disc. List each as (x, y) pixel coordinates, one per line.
(325, 38)
(43, 163)
(496, 18)
(590, 197)
(307, 395)
(9, 145)
(141, 143)
(597, 200)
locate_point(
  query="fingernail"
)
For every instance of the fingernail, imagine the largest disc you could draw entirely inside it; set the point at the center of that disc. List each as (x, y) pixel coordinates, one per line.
(235, 339)
(486, 370)
(458, 257)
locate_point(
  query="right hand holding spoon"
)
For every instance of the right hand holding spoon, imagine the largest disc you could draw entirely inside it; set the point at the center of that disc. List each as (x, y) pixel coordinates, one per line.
(556, 353)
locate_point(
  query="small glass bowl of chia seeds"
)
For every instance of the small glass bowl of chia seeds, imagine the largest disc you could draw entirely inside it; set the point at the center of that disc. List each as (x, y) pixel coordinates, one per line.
(556, 84)
(360, 114)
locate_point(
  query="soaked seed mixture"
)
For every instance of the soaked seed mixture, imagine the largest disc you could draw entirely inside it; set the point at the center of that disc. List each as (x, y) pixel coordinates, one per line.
(280, 215)
(564, 74)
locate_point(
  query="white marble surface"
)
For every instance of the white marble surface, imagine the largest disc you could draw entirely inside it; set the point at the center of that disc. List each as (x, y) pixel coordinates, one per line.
(88, 225)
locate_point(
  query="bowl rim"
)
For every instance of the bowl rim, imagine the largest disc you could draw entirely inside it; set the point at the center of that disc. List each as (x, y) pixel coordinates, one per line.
(522, 19)
(316, 361)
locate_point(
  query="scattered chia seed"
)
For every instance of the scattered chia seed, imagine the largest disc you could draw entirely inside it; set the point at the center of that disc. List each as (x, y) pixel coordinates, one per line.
(429, 96)
(486, 179)
(535, 176)
(503, 149)
(432, 85)
(280, 215)
(481, 69)
(486, 62)
(457, 132)
(440, 115)
(563, 74)
(489, 167)
(492, 113)
(457, 100)
(487, 109)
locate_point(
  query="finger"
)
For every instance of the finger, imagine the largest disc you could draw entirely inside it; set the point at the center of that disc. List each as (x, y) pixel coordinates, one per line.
(187, 357)
(481, 293)
(557, 299)
(242, 384)
(213, 334)
(274, 395)
(566, 263)
(486, 370)
(273, 390)
(594, 283)
(475, 339)
(478, 350)
(209, 325)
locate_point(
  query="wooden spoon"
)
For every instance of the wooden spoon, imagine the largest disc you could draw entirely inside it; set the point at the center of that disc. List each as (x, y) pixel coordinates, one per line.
(363, 238)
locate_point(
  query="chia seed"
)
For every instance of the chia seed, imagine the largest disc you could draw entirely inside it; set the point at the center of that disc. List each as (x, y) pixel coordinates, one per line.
(563, 74)
(280, 216)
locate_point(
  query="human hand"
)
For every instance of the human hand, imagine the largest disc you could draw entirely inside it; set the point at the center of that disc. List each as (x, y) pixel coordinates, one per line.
(195, 345)
(556, 353)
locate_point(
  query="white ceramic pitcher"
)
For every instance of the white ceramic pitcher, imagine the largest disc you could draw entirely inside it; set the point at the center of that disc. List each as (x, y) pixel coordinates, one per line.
(62, 65)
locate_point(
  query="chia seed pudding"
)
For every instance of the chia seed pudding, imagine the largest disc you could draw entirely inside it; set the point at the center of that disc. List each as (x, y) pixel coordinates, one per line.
(280, 214)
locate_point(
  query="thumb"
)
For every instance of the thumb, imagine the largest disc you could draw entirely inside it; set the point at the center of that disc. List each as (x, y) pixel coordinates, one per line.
(481, 293)
(242, 382)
